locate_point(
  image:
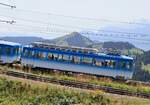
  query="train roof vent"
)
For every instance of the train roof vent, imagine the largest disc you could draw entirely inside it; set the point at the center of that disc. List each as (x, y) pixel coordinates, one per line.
(70, 48)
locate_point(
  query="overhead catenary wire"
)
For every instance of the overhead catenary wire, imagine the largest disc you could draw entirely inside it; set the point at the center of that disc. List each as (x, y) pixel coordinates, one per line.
(40, 29)
(7, 5)
(77, 27)
(82, 18)
(7, 21)
(69, 26)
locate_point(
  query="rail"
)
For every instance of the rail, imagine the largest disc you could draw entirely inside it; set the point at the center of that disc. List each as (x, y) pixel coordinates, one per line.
(82, 85)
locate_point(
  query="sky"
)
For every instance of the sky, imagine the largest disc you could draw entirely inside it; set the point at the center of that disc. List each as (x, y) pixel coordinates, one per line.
(114, 10)
(49, 18)
(109, 9)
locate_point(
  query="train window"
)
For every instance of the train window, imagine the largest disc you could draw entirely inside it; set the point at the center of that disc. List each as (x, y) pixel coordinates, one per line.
(41, 55)
(119, 65)
(15, 50)
(114, 64)
(75, 59)
(87, 60)
(25, 52)
(60, 56)
(129, 65)
(123, 65)
(32, 54)
(49, 56)
(65, 57)
(109, 63)
(97, 62)
(104, 63)
(29, 53)
(8, 51)
(55, 56)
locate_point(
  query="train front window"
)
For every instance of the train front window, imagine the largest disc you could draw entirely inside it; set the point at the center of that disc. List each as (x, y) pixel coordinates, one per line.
(129, 65)
(123, 65)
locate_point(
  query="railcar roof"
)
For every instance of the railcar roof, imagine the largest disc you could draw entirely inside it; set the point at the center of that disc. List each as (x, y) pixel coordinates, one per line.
(9, 43)
(48, 45)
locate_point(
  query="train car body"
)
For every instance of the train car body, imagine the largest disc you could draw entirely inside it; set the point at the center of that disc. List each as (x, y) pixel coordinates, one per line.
(78, 60)
(9, 52)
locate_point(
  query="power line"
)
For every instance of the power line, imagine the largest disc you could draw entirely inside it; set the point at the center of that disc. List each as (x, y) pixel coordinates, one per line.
(38, 29)
(83, 18)
(8, 21)
(7, 5)
(81, 28)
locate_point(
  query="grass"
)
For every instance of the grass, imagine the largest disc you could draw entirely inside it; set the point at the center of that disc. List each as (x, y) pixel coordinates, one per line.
(95, 80)
(98, 81)
(146, 67)
(18, 92)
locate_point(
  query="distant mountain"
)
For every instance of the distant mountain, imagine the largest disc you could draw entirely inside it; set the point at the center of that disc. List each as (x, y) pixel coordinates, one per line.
(118, 45)
(113, 45)
(22, 40)
(137, 34)
(73, 39)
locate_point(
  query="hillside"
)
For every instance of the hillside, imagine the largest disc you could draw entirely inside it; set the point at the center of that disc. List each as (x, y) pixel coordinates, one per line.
(23, 40)
(113, 45)
(76, 39)
(73, 39)
(120, 32)
(142, 67)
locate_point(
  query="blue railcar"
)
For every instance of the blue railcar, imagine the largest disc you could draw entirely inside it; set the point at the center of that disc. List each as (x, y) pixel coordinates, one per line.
(77, 59)
(9, 51)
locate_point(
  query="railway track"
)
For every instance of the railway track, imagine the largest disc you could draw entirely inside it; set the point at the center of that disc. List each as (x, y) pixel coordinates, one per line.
(76, 84)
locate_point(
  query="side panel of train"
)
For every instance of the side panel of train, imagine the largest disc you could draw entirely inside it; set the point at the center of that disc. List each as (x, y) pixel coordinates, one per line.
(9, 54)
(77, 63)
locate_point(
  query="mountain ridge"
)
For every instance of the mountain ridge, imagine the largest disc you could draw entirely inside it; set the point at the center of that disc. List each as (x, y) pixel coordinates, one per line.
(73, 39)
